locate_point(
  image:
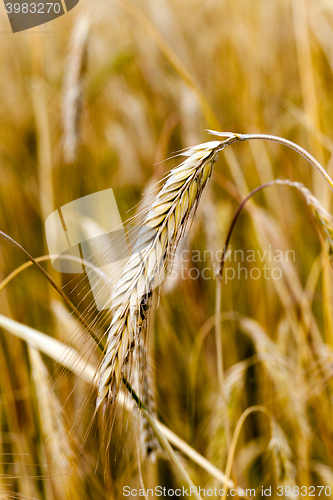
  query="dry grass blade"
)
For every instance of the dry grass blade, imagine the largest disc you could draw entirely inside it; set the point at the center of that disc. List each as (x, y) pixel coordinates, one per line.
(58, 449)
(51, 347)
(282, 455)
(65, 355)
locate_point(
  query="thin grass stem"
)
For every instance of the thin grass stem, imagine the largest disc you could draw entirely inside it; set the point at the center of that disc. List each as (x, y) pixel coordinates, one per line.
(234, 441)
(292, 145)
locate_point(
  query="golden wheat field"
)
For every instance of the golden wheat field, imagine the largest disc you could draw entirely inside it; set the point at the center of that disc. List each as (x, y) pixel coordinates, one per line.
(198, 361)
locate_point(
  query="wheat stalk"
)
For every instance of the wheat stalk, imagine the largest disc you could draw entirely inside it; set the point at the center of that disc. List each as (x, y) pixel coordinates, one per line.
(163, 224)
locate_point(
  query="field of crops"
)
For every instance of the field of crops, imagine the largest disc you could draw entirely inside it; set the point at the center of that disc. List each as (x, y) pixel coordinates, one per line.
(223, 332)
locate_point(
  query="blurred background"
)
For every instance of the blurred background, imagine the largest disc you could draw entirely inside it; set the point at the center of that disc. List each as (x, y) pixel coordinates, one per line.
(98, 99)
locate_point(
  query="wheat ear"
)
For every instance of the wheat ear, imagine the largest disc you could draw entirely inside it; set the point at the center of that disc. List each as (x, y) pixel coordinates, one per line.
(162, 226)
(322, 216)
(74, 88)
